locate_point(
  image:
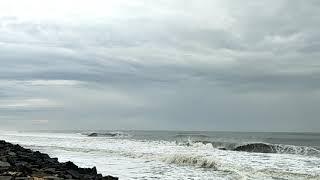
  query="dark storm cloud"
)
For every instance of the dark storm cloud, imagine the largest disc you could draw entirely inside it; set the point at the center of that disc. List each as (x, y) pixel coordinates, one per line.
(219, 65)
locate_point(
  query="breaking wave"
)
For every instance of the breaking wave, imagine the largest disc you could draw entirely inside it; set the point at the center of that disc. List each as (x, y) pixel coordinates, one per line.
(257, 147)
(191, 160)
(279, 148)
(106, 134)
(178, 159)
(194, 156)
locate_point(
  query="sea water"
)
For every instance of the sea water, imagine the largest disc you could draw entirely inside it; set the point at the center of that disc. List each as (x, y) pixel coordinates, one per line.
(180, 154)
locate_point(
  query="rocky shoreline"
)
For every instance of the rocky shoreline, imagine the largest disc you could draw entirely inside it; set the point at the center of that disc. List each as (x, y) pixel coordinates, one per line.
(18, 163)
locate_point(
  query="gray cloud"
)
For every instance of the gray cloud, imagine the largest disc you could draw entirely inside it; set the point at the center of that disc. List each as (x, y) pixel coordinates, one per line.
(209, 65)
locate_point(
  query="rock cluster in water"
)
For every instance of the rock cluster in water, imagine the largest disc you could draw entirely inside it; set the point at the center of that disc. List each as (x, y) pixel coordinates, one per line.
(18, 163)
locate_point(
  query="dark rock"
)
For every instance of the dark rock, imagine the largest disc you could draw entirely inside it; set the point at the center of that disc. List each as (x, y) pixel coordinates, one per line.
(88, 170)
(11, 160)
(23, 178)
(71, 165)
(24, 169)
(74, 174)
(4, 164)
(52, 178)
(12, 153)
(93, 135)
(2, 158)
(49, 170)
(52, 160)
(88, 177)
(17, 162)
(6, 177)
(21, 163)
(67, 176)
(13, 173)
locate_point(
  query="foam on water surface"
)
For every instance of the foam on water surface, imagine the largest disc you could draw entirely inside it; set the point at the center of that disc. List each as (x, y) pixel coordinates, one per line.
(130, 158)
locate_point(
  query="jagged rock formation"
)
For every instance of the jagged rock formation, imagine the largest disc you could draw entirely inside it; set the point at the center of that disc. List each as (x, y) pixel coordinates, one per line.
(18, 163)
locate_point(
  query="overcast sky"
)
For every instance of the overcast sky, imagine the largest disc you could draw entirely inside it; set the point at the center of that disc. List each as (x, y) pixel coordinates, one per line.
(165, 64)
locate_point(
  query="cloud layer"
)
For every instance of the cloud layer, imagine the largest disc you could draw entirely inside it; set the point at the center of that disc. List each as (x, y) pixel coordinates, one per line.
(188, 65)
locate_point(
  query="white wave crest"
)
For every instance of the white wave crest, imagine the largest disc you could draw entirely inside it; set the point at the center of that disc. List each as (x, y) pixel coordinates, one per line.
(189, 159)
(301, 150)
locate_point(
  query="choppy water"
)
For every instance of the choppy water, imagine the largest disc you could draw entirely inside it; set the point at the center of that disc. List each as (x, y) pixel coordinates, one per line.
(182, 155)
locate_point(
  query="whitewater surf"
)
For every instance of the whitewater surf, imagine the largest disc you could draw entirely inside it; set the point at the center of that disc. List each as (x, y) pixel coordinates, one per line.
(182, 155)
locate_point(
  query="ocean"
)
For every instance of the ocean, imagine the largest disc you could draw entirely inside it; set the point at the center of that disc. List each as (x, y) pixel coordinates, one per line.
(181, 154)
